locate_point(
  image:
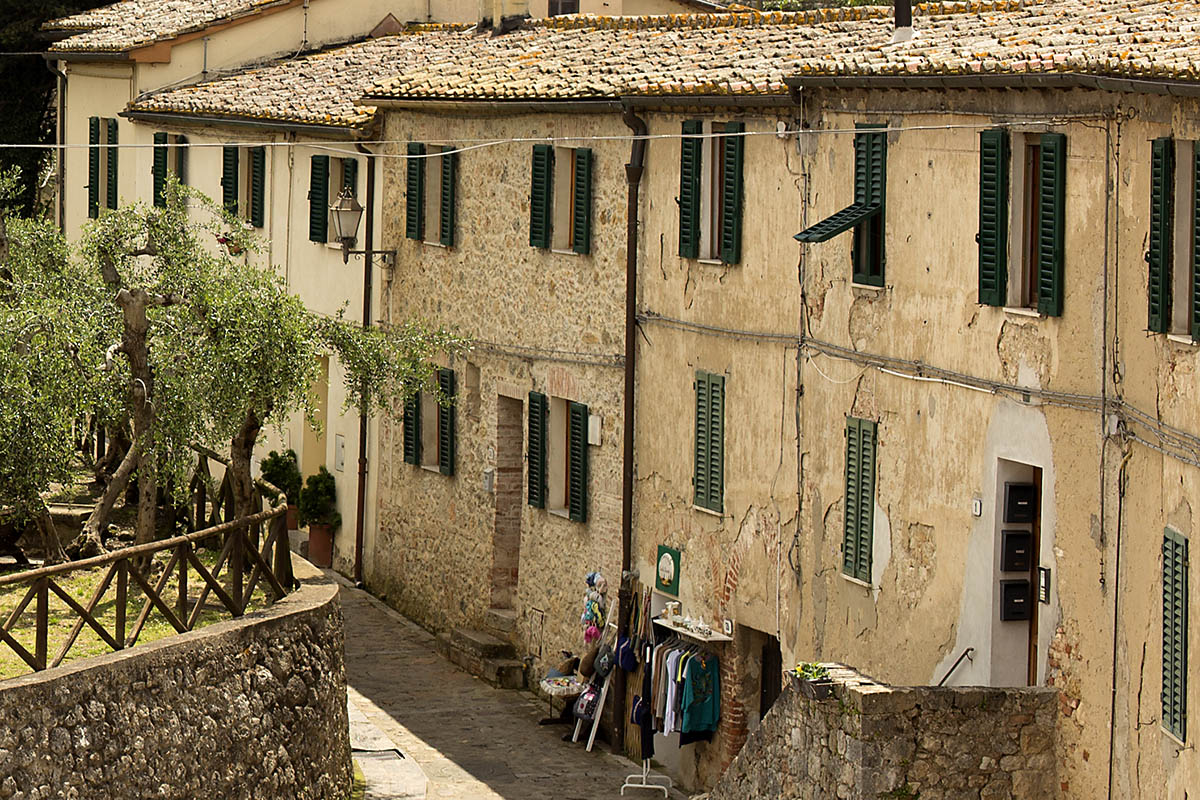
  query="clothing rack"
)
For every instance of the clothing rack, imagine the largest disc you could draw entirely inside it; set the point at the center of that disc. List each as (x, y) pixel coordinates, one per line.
(645, 780)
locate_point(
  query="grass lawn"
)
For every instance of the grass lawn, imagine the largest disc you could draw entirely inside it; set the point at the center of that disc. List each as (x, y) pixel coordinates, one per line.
(82, 586)
(359, 789)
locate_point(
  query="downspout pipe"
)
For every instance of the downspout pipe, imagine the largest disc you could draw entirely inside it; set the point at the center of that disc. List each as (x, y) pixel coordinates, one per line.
(633, 177)
(60, 157)
(368, 267)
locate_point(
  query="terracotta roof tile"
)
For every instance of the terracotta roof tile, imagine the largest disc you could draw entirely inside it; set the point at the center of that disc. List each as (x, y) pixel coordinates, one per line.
(129, 24)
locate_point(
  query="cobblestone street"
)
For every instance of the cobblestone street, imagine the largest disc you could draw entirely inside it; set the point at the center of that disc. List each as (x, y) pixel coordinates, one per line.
(471, 742)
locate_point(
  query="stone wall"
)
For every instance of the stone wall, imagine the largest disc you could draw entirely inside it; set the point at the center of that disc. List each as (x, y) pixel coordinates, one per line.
(870, 741)
(247, 708)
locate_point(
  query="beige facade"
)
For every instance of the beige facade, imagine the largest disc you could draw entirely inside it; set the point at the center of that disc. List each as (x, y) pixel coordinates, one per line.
(448, 548)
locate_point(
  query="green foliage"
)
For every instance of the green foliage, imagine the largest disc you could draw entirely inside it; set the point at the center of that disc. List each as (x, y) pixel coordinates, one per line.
(811, 671)
(282, 471)
(318, 501)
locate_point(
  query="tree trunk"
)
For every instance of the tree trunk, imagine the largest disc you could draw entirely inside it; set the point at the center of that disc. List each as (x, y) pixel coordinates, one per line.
(52, 548)
(91, 541)
(114, 454)
(133, 303)
(241, 450)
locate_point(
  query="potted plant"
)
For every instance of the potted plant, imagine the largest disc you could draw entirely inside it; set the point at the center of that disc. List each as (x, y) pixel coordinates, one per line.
(283, 472)
(815, 682)
(318, 510)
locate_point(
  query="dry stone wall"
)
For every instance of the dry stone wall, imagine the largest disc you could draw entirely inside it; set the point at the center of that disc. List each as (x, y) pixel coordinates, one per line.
(251, 708)
(868, 741)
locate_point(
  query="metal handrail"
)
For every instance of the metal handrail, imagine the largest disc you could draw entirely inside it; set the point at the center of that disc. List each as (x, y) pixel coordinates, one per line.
(965, 654)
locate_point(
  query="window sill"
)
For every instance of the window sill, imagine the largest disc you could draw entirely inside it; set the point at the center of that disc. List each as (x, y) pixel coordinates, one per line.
(709, 511)
(716, 262)
(867, 287)
(1172, 737)
(435, 244)
(562, 252)
(559, 512)
(1180, 338)
(1020, 311)
(856, 581)
(432, 468)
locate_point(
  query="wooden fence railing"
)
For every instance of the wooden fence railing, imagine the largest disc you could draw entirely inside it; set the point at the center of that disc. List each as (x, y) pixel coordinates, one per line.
(241, 565)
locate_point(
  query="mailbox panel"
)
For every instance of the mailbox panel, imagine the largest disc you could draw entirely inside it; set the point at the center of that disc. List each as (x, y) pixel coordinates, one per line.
(1016, 551)
(1015, 602)
(1020, 502)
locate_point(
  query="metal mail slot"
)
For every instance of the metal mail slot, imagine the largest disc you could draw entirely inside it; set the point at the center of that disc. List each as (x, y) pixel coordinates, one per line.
(1015, 602)
(1016, 551)
(1020, 502)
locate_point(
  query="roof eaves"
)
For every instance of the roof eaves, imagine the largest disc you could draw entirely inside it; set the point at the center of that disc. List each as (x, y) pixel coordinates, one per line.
(216, 119)
(1016, 80)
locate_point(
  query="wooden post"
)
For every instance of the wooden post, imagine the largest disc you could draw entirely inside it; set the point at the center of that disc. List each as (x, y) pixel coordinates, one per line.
(42, 622)
(122, 598)
(283, 552)
(237, 566)
(182, 602)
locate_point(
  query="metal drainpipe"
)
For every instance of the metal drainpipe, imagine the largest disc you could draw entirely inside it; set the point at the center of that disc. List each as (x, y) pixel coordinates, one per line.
(361, 502)
(61, 156)
(633, 177)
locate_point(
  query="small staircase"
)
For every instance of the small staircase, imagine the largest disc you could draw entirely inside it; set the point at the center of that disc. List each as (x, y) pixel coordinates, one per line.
(483, 655)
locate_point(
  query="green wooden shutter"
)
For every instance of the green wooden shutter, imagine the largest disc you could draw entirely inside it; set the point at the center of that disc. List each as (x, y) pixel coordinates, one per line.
(181, 151)
(691, 148)
(732, 155)
(993, 217)
(700, 463)
(870, 184)
(412, 430)
(540, 197)
(318, 200)
(1052, 224)
(446, 208)
(581, 202)
(258, 186)
(414, 194)
(160, 168)
(860, 498)
(1174, 633)
(113, 152)
(229, 179)
(577, 462)
(538, 407)
(716, 442)
(350, 176)
(1159, 256)
(1195, 265)
(94, 167)
(445, 423)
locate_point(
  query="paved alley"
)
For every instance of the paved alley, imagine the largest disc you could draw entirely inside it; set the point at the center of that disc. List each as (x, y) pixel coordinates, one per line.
(472, 742)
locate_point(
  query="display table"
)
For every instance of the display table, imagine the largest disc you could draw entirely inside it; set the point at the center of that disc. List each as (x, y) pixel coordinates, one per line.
(567, 687)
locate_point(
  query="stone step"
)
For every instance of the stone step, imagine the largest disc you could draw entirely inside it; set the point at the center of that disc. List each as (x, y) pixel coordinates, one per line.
(504, 673)
(501, 620)
(480, 644)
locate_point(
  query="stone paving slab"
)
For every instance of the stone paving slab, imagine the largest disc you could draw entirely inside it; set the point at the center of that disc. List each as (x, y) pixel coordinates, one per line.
(472, 742)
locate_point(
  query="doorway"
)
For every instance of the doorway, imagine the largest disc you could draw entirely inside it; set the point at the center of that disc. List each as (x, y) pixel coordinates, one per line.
(506, 537)
(1015, 656)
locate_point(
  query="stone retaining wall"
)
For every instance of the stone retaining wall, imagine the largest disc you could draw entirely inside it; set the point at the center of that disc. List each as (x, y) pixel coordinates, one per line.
(870, 741)
(250, 708)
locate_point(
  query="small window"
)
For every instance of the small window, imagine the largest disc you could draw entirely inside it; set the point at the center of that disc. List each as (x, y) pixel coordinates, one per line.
(708, 475)
(710, 191)
(560, 199)
(859, 527)
(560, 7)
(429, 439)
(103, 138)
(434, 186)
(244, 182)
(1171, 254)
(170, 158)
(1174, 633)
(558, 455)
(866, 216)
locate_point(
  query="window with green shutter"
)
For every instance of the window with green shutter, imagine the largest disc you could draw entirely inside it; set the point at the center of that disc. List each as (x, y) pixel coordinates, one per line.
(865, 216)
(539, 408)
(318, 199)
(414, 192)
(111, 194)
(180, 159)
(577, 462)
(230, 178)
(730, 214)
(94, 157)
(691, 149)
(446, 443)
(258, 186)
(161, 157)
(708, 472)
(540, 196)
(1051, 223)
(447, 198)
(581, 202)
(859, 524)
(349, 177)
(412, 430)
(1174, 633)
(993, 217)
(1159, 255)
(1194, 250)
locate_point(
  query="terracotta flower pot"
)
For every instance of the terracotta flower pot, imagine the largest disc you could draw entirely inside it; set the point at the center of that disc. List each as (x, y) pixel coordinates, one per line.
(320, 544)
(293, 518)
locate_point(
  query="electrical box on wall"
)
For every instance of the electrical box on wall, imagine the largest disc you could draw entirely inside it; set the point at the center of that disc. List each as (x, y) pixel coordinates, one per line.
(339, 452)
(1016, 551)
(1020, 502)
(1015, 602)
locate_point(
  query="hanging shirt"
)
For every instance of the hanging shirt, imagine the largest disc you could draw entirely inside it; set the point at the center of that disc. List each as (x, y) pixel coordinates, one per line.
(671, 717)
(701, 704)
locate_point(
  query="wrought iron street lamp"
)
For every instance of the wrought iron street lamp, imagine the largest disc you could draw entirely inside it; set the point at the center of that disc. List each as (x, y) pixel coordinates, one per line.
(347, 215)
